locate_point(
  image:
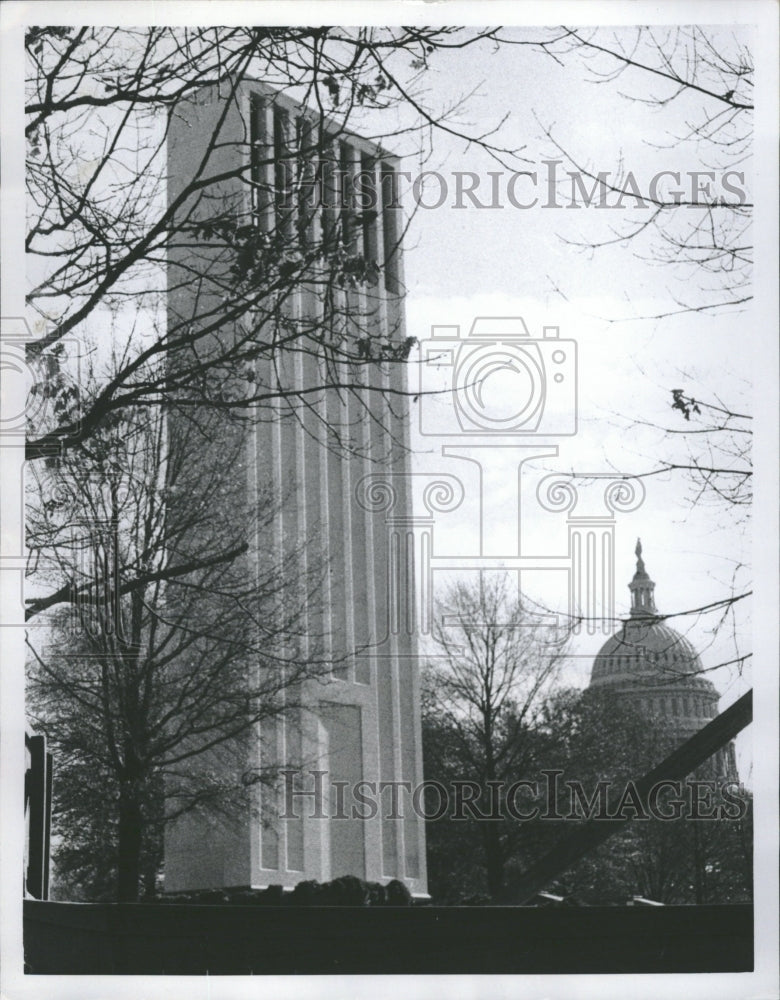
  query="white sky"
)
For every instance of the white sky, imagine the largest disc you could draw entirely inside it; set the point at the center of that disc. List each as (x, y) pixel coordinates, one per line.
(463, 263)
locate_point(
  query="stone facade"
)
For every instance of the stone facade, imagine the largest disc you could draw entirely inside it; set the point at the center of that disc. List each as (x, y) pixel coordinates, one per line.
(360, 723)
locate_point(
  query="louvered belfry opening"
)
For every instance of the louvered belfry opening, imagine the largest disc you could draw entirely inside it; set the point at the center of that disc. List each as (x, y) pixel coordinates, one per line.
(319, 190)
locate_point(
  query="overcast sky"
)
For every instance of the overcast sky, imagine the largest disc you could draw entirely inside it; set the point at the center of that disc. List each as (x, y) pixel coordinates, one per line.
(463, 263)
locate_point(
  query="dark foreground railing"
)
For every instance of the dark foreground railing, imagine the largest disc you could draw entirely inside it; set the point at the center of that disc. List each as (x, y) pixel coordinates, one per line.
(93, 938)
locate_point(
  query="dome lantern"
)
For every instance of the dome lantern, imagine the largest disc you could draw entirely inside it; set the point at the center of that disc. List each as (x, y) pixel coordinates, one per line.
(649, 665)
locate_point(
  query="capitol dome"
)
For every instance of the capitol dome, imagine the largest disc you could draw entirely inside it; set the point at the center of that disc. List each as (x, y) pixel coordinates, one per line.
(656, 670)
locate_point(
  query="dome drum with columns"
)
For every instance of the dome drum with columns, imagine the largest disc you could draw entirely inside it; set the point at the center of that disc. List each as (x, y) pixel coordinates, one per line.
(653, 668)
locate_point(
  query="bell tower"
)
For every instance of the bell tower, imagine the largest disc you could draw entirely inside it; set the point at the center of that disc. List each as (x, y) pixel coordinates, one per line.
(356, 728)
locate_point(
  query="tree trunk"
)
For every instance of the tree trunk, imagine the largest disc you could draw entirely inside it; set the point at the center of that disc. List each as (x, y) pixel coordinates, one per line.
(130, 833)
(698, 864)
(494, 857)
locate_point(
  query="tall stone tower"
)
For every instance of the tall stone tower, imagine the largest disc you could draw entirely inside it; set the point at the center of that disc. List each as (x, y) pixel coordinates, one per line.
(656, 670)
(313, 449)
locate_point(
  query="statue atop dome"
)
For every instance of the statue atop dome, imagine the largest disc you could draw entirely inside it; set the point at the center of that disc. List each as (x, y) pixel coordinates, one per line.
(640, 566)
(642, 587)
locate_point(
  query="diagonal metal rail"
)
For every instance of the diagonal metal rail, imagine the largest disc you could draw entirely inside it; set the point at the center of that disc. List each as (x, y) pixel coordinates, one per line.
(686, 758)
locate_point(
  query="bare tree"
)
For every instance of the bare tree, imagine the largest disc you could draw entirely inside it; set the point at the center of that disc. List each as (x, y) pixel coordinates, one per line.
(198, 272)
(696, 227)
(497, 661)
(170, 653)
(595, 736)
(102, 104)
(720, 469)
